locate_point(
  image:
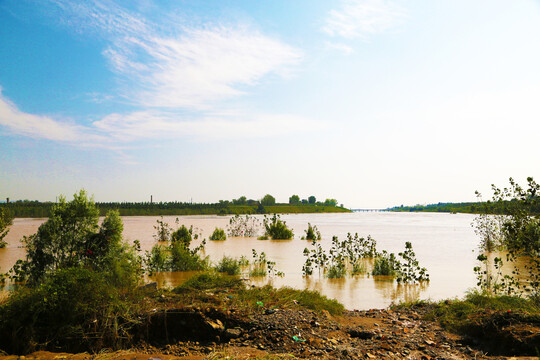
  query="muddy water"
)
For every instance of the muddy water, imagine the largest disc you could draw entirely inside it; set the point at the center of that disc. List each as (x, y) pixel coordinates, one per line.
(444, 243)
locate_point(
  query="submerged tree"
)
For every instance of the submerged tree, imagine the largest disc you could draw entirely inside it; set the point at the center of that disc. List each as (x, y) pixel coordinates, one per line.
(5, 221)
(509, 220)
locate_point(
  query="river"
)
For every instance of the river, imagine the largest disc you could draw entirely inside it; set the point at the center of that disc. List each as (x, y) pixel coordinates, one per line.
(444, 243)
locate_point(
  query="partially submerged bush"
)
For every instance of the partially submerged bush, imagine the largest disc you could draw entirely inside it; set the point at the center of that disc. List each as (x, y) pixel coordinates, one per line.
(312, 233)
(228, 265)
(261, 265)
(276, 228)
(243, 226)
(385, 264)
(177, 256)
(5, 221)
(218, 234)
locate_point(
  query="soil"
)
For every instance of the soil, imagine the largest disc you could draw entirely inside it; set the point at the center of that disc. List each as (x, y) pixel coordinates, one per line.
(210, 333)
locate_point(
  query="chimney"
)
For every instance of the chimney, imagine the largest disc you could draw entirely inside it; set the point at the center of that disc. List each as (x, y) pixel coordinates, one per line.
(7, 200)
(150, 199)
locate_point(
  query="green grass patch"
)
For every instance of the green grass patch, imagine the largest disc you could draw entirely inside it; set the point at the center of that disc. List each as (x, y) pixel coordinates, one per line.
(209, 281)
(283, 297)
(458, 315)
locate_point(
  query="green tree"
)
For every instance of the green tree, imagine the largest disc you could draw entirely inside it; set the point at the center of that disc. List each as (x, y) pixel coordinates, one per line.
(312, 199)
(5, 221)
(330, 202)
(293, 200)
(268, 200)
(71, 237)
(240, 201)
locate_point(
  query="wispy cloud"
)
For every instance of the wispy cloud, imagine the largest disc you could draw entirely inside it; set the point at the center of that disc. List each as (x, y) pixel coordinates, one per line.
(117, 131)
(363, 18)
(44, 127)
(185, 67)
(151, 125)
(340, 47)
(175, 75)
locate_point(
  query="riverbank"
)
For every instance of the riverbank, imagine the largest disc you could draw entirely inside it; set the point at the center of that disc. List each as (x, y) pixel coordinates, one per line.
(218, 318)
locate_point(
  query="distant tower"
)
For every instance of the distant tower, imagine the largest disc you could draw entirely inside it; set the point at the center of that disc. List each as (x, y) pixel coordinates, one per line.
(7, 200)
(150, 199)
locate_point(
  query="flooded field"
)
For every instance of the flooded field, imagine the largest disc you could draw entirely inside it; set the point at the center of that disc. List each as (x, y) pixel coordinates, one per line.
(444, 243)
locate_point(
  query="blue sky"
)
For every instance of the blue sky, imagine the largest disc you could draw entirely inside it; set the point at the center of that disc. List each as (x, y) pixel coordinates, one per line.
(373, 102)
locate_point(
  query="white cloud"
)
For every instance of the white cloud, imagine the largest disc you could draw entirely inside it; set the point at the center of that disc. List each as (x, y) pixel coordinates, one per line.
(197, 68)
(176, 80)
(43, 127)
(340, 47)
(362, 18)
(186, 67)
(116, 131)
(154, 125)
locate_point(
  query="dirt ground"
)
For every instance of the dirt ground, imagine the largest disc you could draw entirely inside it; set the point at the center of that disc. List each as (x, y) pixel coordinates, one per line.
(302, 334)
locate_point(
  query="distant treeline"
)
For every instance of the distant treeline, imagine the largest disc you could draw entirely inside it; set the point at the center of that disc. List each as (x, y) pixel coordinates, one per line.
(466, 207)
(36, 209)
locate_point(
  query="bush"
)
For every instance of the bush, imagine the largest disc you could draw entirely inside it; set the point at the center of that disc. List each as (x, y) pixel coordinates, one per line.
(184, 259)
(228, 265)
(243, 226)
(385, 264)
(277, 229)
(312, 233)
(72, 303)
(71, 237)
(218, 234)
(5, 221)
(183, 234)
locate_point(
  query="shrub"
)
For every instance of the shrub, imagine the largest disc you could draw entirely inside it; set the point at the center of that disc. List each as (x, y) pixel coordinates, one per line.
(218, 234)
(184, 259)
(72, 303)
(5, 221)
(71, 237)
(385, 264)
(243, 226)
(228, 265)
(312, 233)
(157, 259)
(276, 228)
(163, 230)
(183, 234)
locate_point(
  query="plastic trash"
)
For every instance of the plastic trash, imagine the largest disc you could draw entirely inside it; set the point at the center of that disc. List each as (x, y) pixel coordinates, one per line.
(296, 338)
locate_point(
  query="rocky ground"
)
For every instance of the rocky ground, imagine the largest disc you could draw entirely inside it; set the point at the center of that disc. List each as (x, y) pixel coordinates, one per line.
(304, 334)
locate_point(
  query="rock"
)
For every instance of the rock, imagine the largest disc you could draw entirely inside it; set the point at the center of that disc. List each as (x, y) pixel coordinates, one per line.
(361, 334)
(150, 286)
(326, 314)
(216, 325)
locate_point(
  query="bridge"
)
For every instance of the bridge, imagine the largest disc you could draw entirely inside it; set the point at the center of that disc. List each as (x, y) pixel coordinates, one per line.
(369, 210)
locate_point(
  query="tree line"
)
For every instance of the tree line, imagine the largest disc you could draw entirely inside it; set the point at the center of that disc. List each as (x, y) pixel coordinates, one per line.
(242, 205)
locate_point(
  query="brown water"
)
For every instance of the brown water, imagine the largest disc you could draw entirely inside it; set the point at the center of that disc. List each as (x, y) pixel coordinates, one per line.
(444, 243)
